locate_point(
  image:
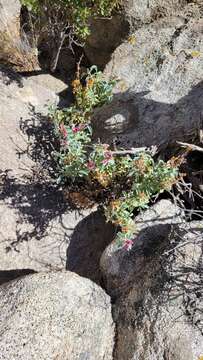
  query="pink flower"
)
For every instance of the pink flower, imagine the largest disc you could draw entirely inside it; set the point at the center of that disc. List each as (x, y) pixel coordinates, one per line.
(108, 157)
(91, 165)
(128, 244)
(77, 128)
(63, 130)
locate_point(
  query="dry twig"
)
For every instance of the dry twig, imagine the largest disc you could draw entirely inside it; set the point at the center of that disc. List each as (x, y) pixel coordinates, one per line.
(191, 147)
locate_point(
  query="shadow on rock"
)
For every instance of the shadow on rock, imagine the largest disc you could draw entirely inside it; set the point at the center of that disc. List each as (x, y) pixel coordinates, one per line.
(36, 203)
(41, 140)
(122, 269)
(9, 275)
(164, 298)
(91, 236)
(8, 76)
(135, 119)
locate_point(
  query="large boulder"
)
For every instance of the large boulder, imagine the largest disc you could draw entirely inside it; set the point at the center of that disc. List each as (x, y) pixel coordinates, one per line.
(156, 287)
(10, 14)
(55, 316)
(36, 221)
(158, 98)
(120, 267)
(107, 33)
(161, 315)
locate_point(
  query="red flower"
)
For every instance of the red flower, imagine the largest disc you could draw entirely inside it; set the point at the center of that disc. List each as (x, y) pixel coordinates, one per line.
(128, 244)
(63, 130)
(91, 165)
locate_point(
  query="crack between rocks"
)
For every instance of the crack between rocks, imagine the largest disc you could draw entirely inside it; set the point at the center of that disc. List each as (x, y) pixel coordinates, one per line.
(176, 34)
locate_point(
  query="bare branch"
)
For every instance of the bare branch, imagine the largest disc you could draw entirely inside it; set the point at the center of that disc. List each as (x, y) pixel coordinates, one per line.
(192, 147)
(152, 151)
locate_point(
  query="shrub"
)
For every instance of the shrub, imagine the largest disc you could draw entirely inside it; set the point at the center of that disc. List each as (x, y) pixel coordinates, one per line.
(66, 19)
(121, 181)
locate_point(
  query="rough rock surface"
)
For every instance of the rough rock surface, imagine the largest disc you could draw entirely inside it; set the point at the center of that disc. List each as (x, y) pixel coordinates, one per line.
(9, 13)
(161, 315)
(119, 267)
(106, 35)
(36, 221)
(55, 316)
(141, 12)
(88, 241)
(15, 47)
(160, 71)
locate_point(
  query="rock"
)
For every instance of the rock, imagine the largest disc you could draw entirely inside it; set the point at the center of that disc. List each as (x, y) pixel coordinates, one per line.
(120, 267)
(10, 14)
(21, 99)
(47, 81)
(90, 237)
(106, 35)
(55, 316)
(140, 12)
(161, 317)
(160, 74)
(115, 118)
(36, 220)
(15, 47)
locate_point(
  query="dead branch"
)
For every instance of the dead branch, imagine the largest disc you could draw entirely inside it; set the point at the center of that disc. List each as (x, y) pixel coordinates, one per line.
(191, 147)
(151, 150)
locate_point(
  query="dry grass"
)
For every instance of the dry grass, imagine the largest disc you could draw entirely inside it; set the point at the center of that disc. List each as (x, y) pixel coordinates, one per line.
(15, 48)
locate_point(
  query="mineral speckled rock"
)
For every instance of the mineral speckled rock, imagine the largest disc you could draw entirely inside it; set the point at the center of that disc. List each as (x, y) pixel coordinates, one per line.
(55, 316)
(161, 315)
(160, 72)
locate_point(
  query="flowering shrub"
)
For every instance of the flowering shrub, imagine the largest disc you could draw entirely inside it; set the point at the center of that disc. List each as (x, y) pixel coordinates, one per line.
(122, 182)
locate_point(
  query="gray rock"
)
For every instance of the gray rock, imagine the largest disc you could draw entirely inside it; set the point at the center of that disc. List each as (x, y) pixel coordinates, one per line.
(118, 266)
(88, 241)
(139, 12)
(106, 35)
(9, 13)
(36, 221)
(161, 317)
(55, 316)
(160, 75)
(15, 46)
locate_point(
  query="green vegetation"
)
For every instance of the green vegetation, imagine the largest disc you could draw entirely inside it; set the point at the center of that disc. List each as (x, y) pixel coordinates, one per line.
(77, 12)
(118, 180)
(65, 20)
(122, 182)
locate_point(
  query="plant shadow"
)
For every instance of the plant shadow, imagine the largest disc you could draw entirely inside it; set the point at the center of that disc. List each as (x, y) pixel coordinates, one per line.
(136, 120)
(36, 197)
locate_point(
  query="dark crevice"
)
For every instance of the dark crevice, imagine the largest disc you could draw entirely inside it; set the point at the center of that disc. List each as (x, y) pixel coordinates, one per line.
(9, 275)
